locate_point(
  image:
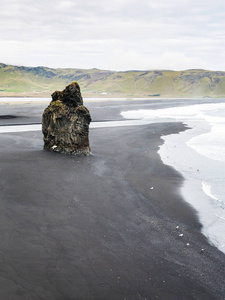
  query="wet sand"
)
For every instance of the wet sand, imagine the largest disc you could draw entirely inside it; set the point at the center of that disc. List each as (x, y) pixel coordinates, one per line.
(109, 226)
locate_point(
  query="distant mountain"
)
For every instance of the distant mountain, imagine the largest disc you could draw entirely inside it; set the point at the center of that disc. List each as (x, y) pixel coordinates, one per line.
(42, 81)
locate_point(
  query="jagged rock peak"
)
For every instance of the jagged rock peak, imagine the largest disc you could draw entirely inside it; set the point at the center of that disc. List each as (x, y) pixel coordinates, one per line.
(71, 95)
(65, 122)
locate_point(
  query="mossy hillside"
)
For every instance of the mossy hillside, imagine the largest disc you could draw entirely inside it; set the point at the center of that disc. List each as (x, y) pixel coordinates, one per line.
(94, 82)
(26, 81)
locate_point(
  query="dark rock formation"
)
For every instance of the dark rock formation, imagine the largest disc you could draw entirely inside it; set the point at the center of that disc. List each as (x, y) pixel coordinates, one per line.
(65, 122)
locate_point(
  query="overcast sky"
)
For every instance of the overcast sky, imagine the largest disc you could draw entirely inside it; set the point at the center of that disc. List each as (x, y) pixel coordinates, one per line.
(113, 34)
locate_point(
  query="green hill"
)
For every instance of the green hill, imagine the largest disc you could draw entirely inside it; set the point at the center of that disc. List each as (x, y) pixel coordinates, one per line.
(42, 81)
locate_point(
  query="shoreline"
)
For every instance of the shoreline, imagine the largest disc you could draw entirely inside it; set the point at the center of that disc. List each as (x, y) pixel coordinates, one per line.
(195, 174)
(96, 95)
(192, 165)
(100, 98)
(113, 225)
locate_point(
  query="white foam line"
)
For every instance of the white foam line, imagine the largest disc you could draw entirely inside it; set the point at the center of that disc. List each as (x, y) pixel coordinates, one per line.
(37, 127)
(23, 100)
(20, 128)
(207, 190)
(118, 123)
(222, 218)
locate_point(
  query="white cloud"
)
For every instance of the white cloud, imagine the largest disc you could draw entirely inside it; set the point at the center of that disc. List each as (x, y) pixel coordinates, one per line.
(64, 5)
(119, 34)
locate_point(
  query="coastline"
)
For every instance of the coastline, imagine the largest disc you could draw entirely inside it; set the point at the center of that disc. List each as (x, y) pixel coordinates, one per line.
(205, 124)
(196, 189)
(110, 226)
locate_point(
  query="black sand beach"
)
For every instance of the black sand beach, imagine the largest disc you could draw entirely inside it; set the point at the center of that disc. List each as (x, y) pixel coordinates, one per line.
(109, 226)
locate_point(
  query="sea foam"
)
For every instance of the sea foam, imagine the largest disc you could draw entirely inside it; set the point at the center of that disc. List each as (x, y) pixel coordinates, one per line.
(199, 154)
(208, 190)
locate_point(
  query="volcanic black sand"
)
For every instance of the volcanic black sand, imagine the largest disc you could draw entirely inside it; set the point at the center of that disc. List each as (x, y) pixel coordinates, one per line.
(100, 227)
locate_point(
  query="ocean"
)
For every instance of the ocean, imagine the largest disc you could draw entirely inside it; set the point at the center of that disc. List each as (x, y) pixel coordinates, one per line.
(199, 155)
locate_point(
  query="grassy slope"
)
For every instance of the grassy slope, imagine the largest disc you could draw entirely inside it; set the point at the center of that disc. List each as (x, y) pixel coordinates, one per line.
(36, 81)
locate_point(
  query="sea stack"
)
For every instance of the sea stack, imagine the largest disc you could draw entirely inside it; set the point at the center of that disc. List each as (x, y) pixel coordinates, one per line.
(65, 122)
